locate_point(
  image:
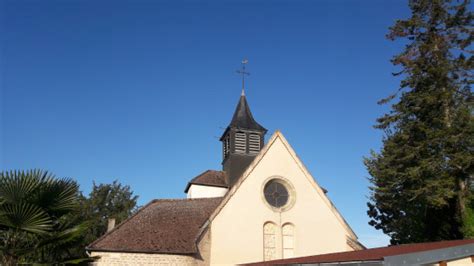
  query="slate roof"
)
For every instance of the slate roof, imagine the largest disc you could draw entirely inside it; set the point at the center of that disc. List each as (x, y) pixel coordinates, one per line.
(209, 178)
(372, 254)
(169, 226)
(243, 118)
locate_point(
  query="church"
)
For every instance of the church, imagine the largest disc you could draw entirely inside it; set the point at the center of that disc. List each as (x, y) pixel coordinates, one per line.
(263, 205)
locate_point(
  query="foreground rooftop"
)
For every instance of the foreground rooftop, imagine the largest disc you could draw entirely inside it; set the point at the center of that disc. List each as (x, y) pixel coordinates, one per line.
(440, 253)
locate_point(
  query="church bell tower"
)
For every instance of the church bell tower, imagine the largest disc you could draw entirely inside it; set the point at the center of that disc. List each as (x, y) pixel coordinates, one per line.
(243, 138)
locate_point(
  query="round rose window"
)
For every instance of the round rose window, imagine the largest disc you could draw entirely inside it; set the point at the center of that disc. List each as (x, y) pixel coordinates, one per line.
(276, 194)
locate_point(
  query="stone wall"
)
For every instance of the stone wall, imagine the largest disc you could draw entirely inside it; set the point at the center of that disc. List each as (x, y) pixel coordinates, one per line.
(145, 259)
(125, 259)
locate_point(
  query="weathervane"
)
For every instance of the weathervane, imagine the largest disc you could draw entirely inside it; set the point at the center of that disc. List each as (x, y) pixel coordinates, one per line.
(243, 73)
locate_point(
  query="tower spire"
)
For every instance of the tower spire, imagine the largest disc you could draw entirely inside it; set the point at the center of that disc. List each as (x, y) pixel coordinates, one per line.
(242, 72)
(243, 138)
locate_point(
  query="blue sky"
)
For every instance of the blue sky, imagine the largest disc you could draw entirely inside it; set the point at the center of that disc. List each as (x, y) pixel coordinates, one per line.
(140, 91)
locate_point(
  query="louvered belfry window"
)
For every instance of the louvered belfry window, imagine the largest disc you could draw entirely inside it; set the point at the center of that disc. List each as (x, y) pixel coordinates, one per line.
(240, 142)
(254, 143)
(226, 146)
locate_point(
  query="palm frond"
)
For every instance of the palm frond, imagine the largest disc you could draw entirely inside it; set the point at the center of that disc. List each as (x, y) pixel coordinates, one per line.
(16, 186)
(57, 196)
(25, 216)
(81, 260)
(64, 235)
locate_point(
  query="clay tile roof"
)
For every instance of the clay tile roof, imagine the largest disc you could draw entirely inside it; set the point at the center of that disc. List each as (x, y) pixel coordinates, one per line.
(372, 254)
(209, 178)
(162, 226)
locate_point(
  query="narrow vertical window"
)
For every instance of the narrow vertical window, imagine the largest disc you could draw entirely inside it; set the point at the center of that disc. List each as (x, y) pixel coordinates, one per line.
(254, 143)
(269, 241)
(240, 142)
(288, 234)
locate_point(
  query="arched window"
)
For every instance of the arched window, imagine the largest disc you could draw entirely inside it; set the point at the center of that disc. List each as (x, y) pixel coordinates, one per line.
(269, 241)
(288, 234)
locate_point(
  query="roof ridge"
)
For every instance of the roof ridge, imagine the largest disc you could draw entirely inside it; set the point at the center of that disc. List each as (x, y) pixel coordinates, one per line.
(208, 178)
(207, 171)
(183, 199)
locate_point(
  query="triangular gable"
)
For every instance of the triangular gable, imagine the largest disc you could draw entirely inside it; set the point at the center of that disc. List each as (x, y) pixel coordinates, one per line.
(256, 161)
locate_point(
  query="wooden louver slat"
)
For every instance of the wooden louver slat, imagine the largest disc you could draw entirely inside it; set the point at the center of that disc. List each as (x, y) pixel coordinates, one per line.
(240, 142)
(254, 143)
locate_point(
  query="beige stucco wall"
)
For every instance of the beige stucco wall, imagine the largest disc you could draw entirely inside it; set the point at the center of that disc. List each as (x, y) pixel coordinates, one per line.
(126, 259)
(237, 230)
(198, 191)
(463, 261)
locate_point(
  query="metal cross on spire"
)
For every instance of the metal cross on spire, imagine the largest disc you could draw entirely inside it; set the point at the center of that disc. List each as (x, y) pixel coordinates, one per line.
(243, 73)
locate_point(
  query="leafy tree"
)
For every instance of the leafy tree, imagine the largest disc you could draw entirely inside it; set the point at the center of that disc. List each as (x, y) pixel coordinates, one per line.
(106, 201)
(420, 179)
(34, 227)
(48, 221)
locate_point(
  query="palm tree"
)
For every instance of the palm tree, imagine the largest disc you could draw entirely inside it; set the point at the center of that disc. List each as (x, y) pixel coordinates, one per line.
(34, 217)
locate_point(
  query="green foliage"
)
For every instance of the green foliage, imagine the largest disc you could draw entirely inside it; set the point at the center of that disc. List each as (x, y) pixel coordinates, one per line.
(45, 220)
(420, 179)
(468, 226)
(34, 206)
(105, 201)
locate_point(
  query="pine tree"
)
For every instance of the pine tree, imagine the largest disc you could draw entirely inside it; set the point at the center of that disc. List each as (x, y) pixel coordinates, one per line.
(420, 180)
